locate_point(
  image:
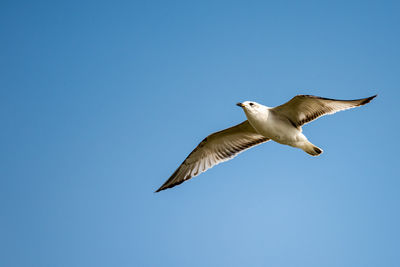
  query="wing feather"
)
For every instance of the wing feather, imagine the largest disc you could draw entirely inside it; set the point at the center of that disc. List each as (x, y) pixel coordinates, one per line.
(214, 149)
(303, 109)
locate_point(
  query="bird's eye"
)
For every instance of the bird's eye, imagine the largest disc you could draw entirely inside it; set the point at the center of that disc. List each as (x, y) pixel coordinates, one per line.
(251, 104)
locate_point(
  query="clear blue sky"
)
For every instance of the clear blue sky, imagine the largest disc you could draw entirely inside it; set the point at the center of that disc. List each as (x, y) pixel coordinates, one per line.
(101, 101)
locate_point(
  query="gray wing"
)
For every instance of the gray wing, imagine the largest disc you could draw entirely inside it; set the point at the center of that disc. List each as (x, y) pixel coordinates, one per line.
(302, 109)
(214, 149)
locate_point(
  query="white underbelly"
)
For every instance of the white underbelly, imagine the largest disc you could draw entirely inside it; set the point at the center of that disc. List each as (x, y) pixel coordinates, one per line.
(279, 131)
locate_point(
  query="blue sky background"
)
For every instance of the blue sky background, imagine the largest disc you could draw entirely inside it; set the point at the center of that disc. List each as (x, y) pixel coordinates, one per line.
(101, 101)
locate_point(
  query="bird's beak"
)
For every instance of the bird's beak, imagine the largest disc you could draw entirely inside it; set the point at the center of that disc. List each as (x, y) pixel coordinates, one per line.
(239, 105)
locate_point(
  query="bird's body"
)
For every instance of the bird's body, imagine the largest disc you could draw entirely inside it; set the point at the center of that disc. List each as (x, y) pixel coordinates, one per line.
(281, 124)
(273, 125)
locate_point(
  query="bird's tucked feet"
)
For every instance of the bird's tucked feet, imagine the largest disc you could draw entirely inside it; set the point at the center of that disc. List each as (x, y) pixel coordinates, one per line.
(312, 150)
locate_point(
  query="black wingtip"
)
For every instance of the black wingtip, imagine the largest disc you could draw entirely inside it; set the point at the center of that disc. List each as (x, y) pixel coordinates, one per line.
(163, 187)
(368, 99)
(167, 185)
(159, 189)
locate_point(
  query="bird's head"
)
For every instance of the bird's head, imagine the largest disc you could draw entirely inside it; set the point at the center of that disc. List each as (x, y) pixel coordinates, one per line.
(251, 107)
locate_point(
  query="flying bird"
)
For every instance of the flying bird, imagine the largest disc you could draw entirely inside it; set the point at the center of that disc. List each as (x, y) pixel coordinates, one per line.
(282, 124)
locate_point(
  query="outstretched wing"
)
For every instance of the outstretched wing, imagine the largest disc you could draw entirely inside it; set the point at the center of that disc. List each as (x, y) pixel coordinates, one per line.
(302, 109)
(214, 149)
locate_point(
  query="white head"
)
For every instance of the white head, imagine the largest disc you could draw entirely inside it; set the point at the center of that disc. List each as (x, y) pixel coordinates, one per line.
(252, 108)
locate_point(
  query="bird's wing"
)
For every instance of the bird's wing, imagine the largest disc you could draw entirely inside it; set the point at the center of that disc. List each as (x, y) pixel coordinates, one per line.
(214, 149)
(302, 109)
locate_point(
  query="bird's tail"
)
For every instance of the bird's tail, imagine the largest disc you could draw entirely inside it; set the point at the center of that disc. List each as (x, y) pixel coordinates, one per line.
(312, 150)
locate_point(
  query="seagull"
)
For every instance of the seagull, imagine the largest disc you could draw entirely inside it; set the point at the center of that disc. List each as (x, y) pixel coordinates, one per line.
(282, 124)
